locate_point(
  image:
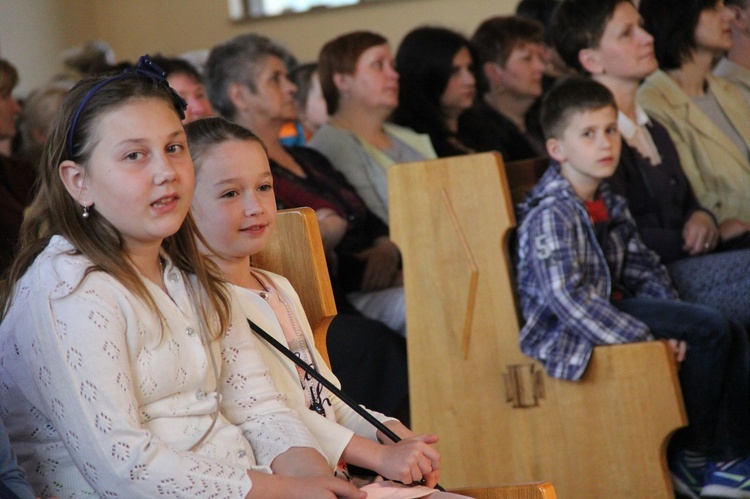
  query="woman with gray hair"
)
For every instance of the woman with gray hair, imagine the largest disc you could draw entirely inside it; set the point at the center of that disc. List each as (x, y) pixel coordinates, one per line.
(247, 82)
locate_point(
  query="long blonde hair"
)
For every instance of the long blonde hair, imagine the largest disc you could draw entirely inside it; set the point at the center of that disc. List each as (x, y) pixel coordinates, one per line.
(55, 212)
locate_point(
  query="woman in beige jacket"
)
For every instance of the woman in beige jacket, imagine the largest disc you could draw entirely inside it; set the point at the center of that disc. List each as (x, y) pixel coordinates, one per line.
(705, 115)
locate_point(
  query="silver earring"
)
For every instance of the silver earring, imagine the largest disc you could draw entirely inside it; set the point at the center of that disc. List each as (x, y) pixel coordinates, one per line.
(85, 213)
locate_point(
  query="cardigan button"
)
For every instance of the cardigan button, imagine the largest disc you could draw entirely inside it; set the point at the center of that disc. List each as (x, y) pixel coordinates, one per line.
(190, 331)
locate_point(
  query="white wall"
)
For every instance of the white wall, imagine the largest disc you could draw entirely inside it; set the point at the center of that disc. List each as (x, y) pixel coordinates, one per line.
(34, 32)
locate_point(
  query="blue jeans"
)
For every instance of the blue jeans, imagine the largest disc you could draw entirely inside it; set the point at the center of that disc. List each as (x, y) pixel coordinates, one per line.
(715, 375)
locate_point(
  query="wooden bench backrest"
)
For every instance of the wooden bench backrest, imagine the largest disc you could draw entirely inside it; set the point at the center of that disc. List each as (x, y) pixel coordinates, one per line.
(295, 251)
(500, 418)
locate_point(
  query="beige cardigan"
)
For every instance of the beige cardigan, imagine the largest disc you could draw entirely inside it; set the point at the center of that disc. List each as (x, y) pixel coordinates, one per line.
(718, 171)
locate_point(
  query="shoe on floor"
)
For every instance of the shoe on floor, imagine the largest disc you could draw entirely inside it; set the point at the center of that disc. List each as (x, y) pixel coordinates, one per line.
(728, 479)
(688, 473)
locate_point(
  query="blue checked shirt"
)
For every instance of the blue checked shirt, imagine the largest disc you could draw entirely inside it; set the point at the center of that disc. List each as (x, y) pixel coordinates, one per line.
(565, 277)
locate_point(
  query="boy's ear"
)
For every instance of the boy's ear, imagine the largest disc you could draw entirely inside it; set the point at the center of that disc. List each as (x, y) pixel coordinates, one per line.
(555, 150)
(590, 60)
(74, 180)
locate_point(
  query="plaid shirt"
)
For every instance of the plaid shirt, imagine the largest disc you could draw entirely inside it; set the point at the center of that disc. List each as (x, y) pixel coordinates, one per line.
(565, 277)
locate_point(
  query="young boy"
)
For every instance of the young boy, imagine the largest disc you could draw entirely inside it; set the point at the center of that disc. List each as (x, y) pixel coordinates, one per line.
(586, 279)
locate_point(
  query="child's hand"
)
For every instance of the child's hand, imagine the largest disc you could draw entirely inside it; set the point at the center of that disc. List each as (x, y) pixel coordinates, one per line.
(678, 349)
(410, 460)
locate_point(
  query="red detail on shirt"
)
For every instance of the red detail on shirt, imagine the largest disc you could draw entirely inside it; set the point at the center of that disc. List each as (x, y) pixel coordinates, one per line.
(597, 210)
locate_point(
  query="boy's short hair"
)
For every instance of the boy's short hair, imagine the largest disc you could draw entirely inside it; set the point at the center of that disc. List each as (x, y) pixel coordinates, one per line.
(578, 25)
(571, 96)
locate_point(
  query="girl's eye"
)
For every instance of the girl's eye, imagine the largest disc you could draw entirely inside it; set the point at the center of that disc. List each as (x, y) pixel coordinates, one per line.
(230, 194)
(588, 133)
(133, 156)
(173, 148)
(265, 188)
(612, 130)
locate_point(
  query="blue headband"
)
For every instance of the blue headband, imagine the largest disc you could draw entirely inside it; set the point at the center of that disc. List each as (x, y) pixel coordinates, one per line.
(145, 68)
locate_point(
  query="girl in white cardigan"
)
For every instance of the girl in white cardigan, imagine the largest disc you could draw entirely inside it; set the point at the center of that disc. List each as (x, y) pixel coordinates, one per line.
(124, 371)
(235, 209)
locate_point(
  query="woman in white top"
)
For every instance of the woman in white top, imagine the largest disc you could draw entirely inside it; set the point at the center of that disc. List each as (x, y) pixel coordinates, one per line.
(235, 209)
(124, 371)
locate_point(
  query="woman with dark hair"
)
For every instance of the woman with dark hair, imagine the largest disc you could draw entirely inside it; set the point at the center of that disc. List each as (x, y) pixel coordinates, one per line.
(706, 116)
(361, 86)
(437, 69)
(512, 57)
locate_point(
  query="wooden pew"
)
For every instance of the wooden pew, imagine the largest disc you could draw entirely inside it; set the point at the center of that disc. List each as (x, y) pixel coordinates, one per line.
(500, 418)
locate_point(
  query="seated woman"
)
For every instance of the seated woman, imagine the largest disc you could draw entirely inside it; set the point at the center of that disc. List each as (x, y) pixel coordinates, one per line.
(360, 86)
(126, 369)
(437, 84)
(234, 185)
(512, 57)
(706, 116)
(604, 39)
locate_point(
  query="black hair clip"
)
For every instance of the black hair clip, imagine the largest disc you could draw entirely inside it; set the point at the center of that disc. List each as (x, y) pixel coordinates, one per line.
(147, 67)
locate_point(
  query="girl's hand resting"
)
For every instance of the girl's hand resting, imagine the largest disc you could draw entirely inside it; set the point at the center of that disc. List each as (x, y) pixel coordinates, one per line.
(410, 460)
